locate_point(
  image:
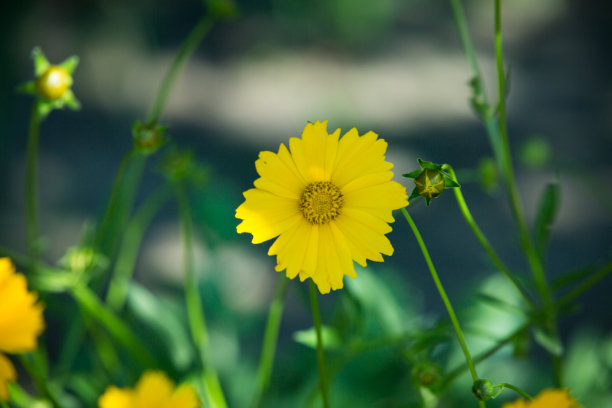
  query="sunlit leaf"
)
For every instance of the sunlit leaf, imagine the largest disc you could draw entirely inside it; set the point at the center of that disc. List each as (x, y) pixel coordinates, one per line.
(331, 338)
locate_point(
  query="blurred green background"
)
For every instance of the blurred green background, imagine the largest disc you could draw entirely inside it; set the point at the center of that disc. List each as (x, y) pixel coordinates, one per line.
(394, 67)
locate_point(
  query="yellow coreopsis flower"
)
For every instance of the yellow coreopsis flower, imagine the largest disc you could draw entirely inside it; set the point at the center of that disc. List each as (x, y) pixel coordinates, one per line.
(551, 398)
(154, 390)
(329, 202)
(21, 321)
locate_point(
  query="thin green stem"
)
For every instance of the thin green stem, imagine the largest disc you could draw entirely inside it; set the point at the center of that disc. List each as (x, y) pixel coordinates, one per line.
(187, 49)
(97, 310)
(316, 316)
(130, 245)
(513, 388)
(266, 361)
(447, 303)
(32, 185)
(484, 242)
(195, 311)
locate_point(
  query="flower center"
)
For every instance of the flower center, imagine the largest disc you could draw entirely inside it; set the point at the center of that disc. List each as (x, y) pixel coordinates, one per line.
(321, 202)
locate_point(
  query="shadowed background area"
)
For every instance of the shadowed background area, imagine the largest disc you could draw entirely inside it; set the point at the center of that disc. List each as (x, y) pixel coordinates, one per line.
(394, 67)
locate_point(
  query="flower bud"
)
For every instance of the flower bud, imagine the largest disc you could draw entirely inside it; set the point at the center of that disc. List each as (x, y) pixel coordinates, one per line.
(482, 390)
(429, 183)
(53, 83)
(426, 374)
(148, 138)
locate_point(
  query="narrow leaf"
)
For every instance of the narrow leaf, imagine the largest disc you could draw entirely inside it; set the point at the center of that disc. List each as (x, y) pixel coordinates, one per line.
(331, 338)
(549, 341)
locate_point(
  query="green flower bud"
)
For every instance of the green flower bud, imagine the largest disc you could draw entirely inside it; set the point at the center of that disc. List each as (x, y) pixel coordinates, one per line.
(429, 184)
(427, 374)
(430, 180)
(148, 138)
(180, 166)
(483, 390)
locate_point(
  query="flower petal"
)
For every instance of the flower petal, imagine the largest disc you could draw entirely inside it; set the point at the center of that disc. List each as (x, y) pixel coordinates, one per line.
(315, 153)
(7, 374)
(266, 215)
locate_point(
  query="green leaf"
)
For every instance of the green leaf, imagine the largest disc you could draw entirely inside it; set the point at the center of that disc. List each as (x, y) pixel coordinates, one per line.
(449, 182)
(547, 212)
(413, 174)
(549, 341)
(70, 64)
(156, 314)
(414, 194)
(41, 64)
(429, 165)
(478, 99)
(330, 336)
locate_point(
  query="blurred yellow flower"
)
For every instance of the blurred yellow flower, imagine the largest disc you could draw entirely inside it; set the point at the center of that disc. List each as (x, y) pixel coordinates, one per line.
(329, 202)
(154, 390)
(551, 398)
(21, 320)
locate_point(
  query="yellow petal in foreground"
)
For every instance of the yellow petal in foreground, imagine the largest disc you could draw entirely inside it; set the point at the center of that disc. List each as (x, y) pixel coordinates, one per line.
(327, 200)
(7, 374)
(21, 320)
(154, 390)
(551, 398)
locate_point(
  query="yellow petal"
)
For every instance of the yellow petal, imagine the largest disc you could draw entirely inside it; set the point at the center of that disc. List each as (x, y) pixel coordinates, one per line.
(387, 196)
(183, 397)
(114, 397)
(266, 215)
(153, 390)
(21, 320)
(7, 374)
(315, 153)
(291, 247)
(358, 156)
(277, 176)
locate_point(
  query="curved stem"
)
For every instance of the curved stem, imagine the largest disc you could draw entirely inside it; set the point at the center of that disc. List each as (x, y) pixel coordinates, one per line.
(316, 316)
(128, 253)
(32, 185)
(264, 370)
(484, 242)
(513, 388)
(34, 367)
(447, 303)
(195, 311)
(187, 49)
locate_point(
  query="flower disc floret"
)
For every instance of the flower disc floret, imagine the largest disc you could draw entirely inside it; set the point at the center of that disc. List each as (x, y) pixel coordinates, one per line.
(327, 200)
(321, 202)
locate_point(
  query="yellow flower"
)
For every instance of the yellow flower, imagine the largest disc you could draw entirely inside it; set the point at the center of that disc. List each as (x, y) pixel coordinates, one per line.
(551, 398)
(329, 202)
(154, 390)
(21, 320)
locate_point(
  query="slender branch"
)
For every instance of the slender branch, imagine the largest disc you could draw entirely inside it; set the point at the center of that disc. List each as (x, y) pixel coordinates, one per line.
(584, 286)
(32, 185)
(445, 300)
(187, 49)
(513, 388)
(484, 242)
(269, 343)
(316, 316)
(195, 311)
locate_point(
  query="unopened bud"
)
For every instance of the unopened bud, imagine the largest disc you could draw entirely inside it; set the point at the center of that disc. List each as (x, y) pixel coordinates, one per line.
(53, 83)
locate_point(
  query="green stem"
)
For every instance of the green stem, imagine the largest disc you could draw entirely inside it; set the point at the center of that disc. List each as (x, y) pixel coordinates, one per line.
(195, 311)
(130, 245)
(484, 242)
(266, 361)
(187, 49)
(32, 185)
(90, 304)
(316, 316)
(534, 260)
(33, 366)
(447, 303)
(513, 388)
